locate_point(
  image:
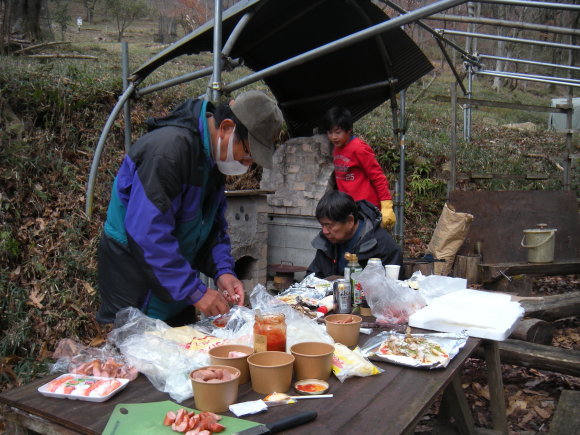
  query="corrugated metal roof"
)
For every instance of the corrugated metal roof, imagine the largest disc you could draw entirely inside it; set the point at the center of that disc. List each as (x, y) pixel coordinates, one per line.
(282, 29)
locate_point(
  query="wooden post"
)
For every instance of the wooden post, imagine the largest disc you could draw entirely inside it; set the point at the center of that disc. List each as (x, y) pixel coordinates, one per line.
(497, 398)
(467, 266)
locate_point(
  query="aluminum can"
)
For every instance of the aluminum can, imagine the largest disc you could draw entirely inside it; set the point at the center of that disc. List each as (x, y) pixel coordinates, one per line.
(342, 299)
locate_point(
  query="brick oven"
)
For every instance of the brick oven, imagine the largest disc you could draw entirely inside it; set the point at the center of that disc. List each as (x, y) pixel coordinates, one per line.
(247, 217)
(276, 224)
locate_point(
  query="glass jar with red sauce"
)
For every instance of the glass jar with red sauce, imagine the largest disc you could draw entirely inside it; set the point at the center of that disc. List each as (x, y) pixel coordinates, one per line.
(270, 332)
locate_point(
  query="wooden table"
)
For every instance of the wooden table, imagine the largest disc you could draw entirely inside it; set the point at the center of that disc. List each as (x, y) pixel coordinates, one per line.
(392, 402)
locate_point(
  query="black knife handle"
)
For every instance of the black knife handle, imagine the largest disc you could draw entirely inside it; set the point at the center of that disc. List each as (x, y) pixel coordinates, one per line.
(290, 422)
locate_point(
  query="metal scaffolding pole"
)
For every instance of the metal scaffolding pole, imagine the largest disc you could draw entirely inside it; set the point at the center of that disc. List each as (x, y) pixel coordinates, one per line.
(509, 39)
(215, 87)
(526, 77)
(528, 61)
(505, 23)
(97, 157)
(534, 4)
(127, 107)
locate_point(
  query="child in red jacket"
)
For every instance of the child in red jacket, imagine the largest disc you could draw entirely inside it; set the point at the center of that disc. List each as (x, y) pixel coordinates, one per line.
(356, 169)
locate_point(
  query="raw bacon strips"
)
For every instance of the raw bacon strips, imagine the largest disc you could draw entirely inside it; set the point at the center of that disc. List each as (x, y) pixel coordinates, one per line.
(190, 423)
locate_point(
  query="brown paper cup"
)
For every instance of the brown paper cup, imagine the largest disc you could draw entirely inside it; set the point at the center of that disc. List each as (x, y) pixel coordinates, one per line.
(344, 333)
(313, 360)
(271, 371)
(219, 356)
(215, 396)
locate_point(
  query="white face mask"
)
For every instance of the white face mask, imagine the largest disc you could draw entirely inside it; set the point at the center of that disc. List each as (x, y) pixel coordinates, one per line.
(229, 166)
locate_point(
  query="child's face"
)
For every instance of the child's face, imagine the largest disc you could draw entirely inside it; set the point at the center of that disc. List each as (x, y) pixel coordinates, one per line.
(338, 136)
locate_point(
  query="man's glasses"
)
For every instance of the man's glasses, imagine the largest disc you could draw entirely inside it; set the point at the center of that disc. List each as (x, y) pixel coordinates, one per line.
(329, 225)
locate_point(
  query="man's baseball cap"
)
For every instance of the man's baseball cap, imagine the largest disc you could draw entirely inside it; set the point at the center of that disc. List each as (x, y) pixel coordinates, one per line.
(263, 119)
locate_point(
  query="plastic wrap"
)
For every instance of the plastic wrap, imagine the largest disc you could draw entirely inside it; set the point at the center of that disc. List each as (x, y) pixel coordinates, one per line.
(388, 300)
(299, 328)
(347, 363)
(104, 361)
(166, 363)
(450, 344)
(433, 286)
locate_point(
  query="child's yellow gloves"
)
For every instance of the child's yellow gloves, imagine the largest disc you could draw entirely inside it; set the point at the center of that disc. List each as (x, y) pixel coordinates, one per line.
(389, 218)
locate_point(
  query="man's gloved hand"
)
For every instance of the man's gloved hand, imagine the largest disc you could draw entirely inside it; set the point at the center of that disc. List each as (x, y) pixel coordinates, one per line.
(389, 218)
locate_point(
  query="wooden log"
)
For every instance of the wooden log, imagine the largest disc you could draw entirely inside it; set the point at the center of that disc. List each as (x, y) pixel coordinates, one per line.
(534, 331)
(552, 307)
(566, 417)
(63, 56)
(466, 266)
(538, 356)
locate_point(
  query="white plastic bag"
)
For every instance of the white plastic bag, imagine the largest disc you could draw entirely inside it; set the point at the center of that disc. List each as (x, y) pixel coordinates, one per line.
(389, 301)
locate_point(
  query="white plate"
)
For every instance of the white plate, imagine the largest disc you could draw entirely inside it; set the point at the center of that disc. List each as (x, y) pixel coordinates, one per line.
(78, 384)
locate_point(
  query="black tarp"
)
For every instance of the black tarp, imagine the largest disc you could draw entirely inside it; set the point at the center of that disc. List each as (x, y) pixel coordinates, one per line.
(282, 29)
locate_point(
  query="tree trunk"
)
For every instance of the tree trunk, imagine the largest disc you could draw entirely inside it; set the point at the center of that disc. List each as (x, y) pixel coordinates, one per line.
(25, 18)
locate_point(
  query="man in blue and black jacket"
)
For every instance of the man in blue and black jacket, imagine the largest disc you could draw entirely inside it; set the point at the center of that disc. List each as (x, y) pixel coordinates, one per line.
(166, 218)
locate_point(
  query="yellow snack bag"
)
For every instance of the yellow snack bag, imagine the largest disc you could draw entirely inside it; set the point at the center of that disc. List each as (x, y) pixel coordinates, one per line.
(347, 363)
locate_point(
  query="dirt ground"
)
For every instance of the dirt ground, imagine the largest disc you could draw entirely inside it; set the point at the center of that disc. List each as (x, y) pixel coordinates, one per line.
(531, 395)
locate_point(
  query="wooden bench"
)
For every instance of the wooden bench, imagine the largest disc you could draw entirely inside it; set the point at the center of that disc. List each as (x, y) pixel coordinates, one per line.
(566, 419)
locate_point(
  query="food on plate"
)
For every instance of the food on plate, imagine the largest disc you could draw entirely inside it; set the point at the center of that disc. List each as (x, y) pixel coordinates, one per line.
(418, 348)
(212, 375)
(91, 388)
(188, 422)
(311, 387)
(55, 384)
(109, 369)
(102, 387)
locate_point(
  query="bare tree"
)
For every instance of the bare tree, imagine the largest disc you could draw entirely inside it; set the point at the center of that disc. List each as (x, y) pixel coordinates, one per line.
(90, 6)
(125, 12)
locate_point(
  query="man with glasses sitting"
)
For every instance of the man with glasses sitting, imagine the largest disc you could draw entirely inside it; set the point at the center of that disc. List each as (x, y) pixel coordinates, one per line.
(349, 226)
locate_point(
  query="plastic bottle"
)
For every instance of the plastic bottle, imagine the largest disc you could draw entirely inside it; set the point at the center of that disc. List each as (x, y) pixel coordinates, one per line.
(351, 268)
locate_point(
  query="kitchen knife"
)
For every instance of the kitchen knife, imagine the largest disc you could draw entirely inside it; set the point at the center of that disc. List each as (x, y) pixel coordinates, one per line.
(280, 425)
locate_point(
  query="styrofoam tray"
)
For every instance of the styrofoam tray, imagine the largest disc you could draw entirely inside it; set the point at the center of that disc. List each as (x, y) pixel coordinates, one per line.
(477, 313)
(80, 387)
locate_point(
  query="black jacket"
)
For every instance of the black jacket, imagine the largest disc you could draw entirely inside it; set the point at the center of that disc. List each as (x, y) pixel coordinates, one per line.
(374, 242)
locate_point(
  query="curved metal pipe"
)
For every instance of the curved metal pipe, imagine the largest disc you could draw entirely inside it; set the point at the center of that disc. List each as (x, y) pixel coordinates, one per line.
(100, 145)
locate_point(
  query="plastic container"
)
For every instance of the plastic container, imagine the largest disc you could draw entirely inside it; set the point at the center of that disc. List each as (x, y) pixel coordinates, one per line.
(313, 360)
(540, 243)
(344, 333)
(392, 271)
(219, 355)
(81, 387)
(271, 372)
(215, 396)
(270, 332)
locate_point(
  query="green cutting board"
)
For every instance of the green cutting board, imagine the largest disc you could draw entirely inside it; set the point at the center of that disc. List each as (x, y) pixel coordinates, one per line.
(147, 418)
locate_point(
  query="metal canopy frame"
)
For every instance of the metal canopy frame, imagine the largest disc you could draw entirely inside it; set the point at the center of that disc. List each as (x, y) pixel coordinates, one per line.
(473, 61)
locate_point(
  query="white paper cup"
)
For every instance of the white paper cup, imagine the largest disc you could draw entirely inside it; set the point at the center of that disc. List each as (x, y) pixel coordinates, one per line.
(392, 271)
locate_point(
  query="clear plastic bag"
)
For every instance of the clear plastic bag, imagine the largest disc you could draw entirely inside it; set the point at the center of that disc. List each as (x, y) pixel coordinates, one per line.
(389, 301)
(165, 362)
(104, 361)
